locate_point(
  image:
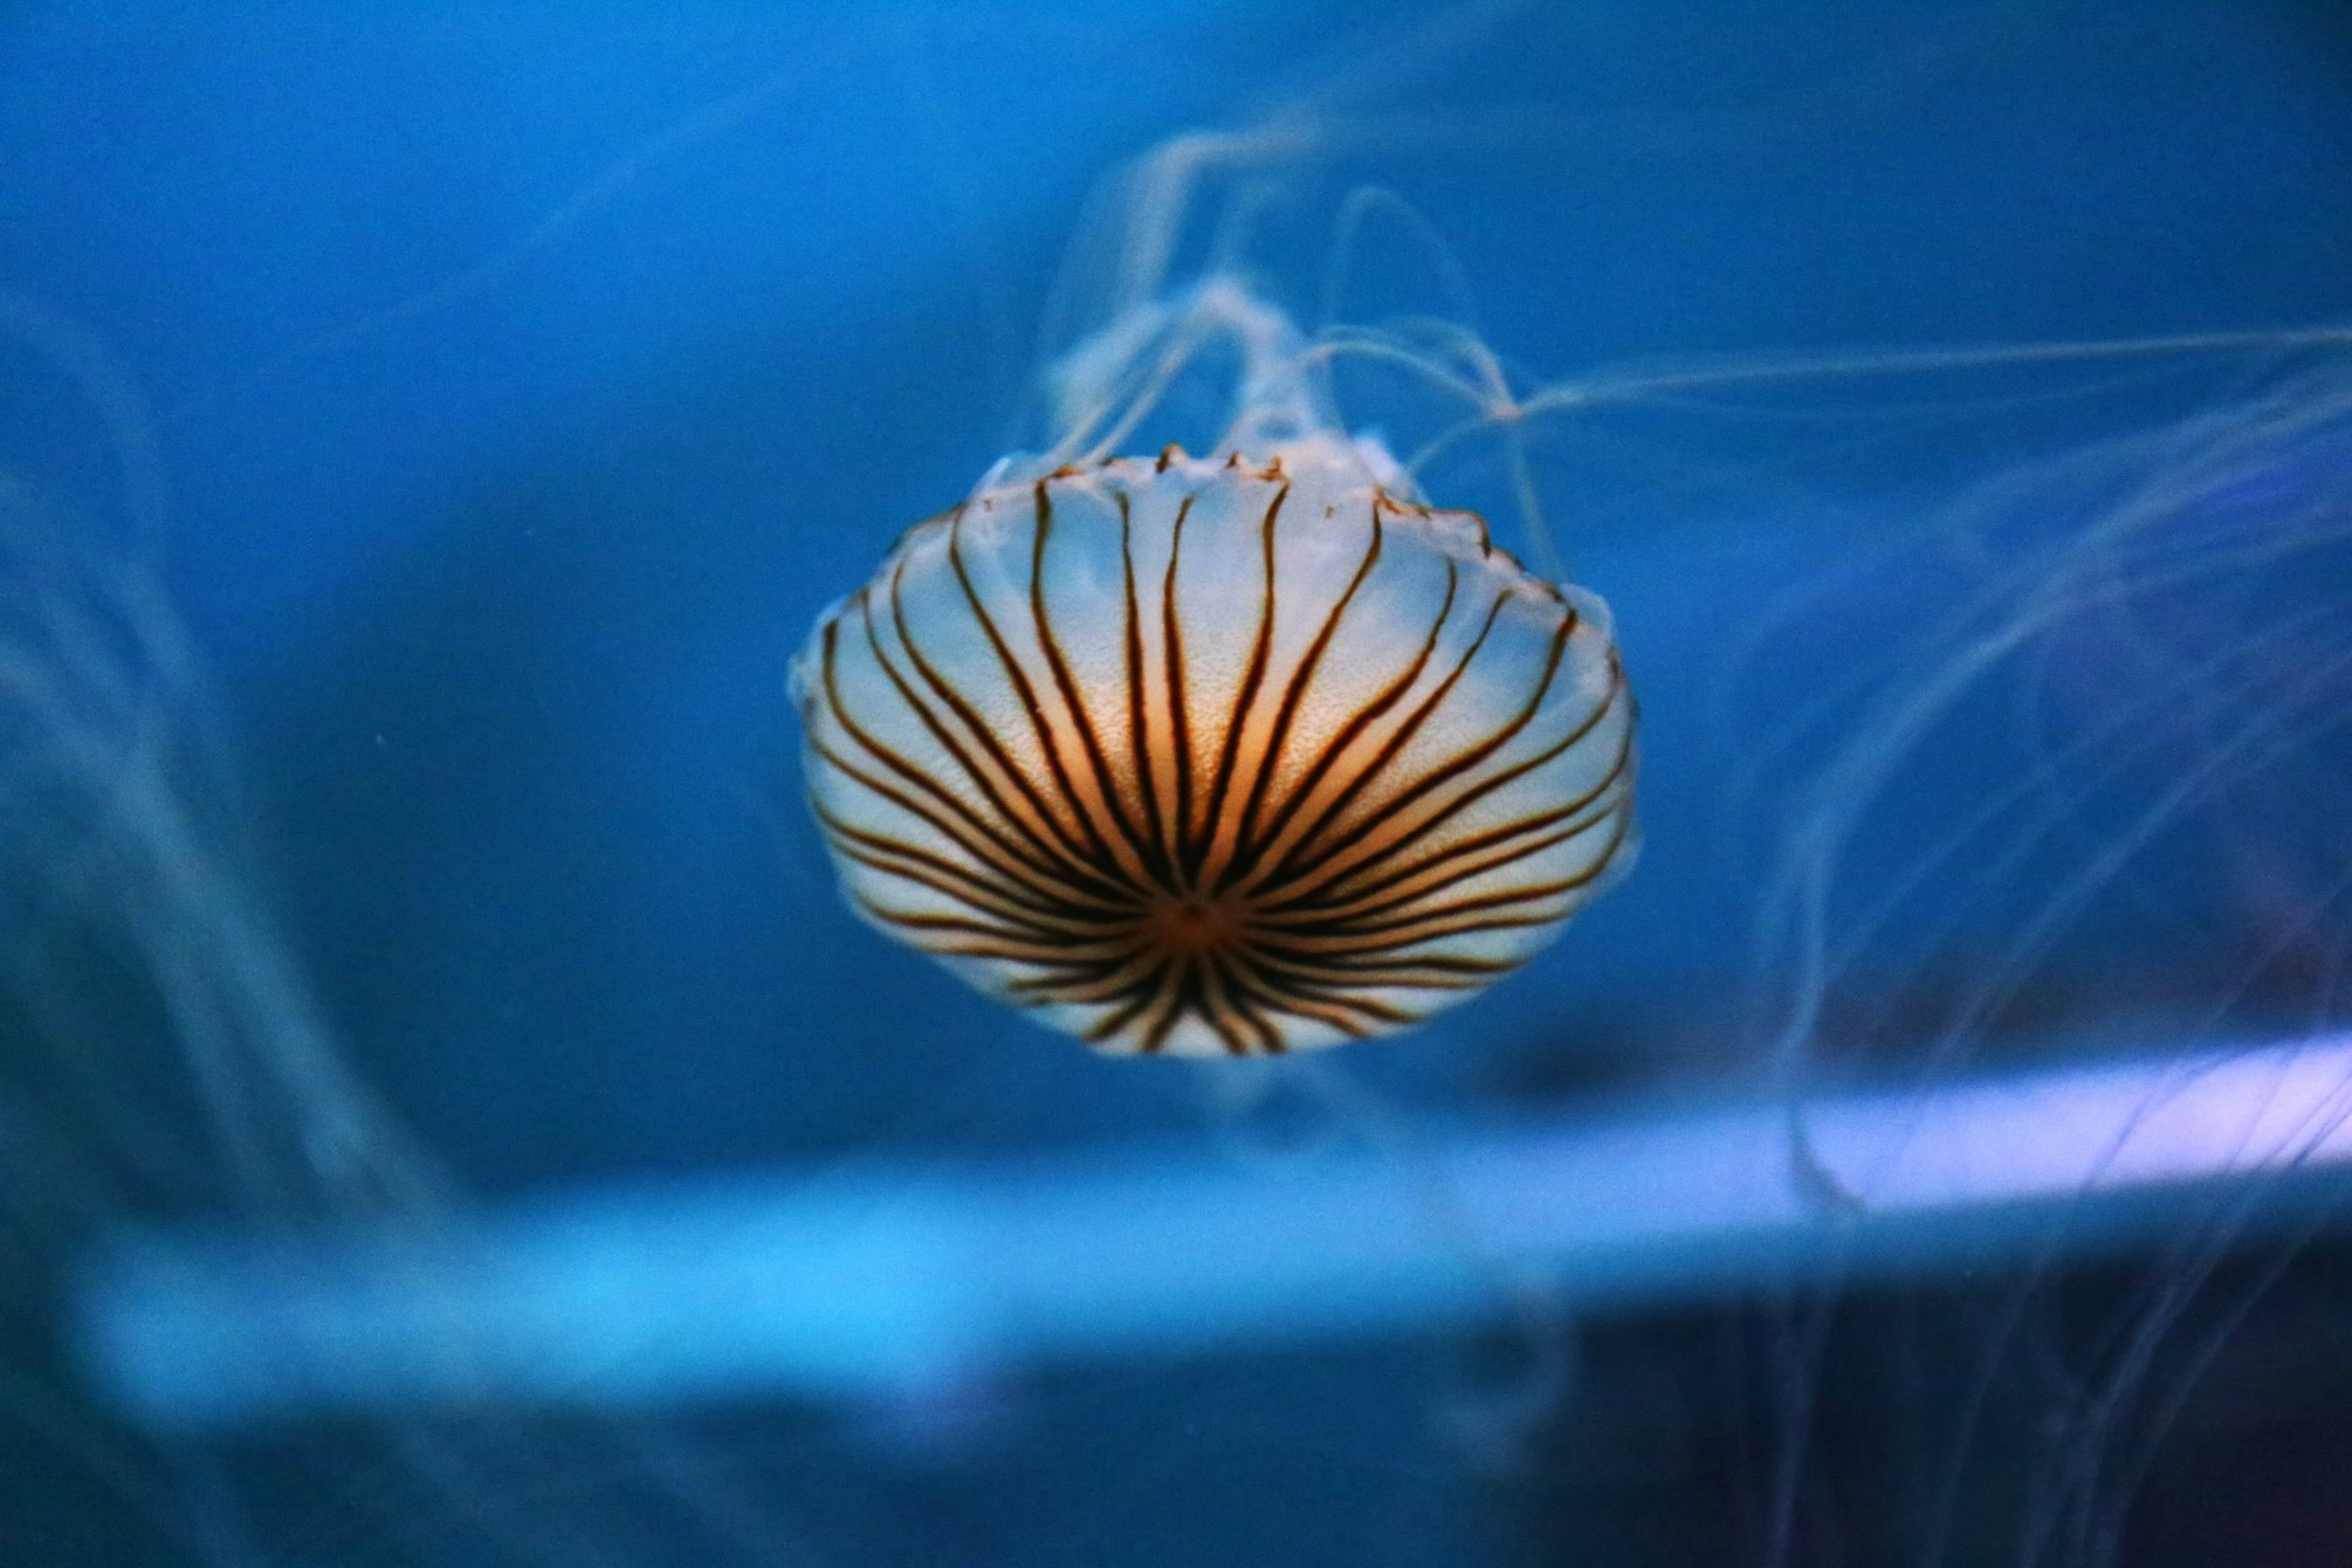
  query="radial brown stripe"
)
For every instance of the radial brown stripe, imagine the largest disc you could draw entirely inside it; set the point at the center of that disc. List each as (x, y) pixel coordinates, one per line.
(1062, 791)
(988, 828)
(1358, 838)
(1294, 692)
(1359, 721)
(1330, 878)
(1032, 819)
(1179, 728)
(1147, 771)
(1216, 833)
(1105, 799)
(1376, 770)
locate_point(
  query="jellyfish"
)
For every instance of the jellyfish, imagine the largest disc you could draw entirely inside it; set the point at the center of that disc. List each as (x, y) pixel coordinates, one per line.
(1256, 744)
(1231, 754)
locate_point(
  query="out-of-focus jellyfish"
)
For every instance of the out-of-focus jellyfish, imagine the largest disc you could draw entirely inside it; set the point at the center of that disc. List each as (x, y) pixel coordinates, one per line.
(1218, 755)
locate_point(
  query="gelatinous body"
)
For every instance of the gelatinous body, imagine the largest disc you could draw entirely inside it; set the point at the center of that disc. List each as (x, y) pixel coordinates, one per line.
(1218, 756)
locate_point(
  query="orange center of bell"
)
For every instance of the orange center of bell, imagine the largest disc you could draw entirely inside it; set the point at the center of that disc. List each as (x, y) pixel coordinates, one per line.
(1193, 925)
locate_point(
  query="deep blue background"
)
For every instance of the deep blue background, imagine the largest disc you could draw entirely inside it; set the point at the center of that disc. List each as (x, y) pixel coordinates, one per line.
(527, 377)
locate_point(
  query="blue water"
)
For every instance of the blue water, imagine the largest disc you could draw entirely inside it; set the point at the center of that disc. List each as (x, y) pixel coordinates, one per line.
(524, 379)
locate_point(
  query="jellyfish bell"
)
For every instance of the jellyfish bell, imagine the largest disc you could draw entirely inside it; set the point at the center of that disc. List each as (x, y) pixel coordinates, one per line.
(1222, 756)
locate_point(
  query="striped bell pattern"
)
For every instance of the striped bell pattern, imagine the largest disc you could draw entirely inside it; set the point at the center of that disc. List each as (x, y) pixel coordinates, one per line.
(1217, 756)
